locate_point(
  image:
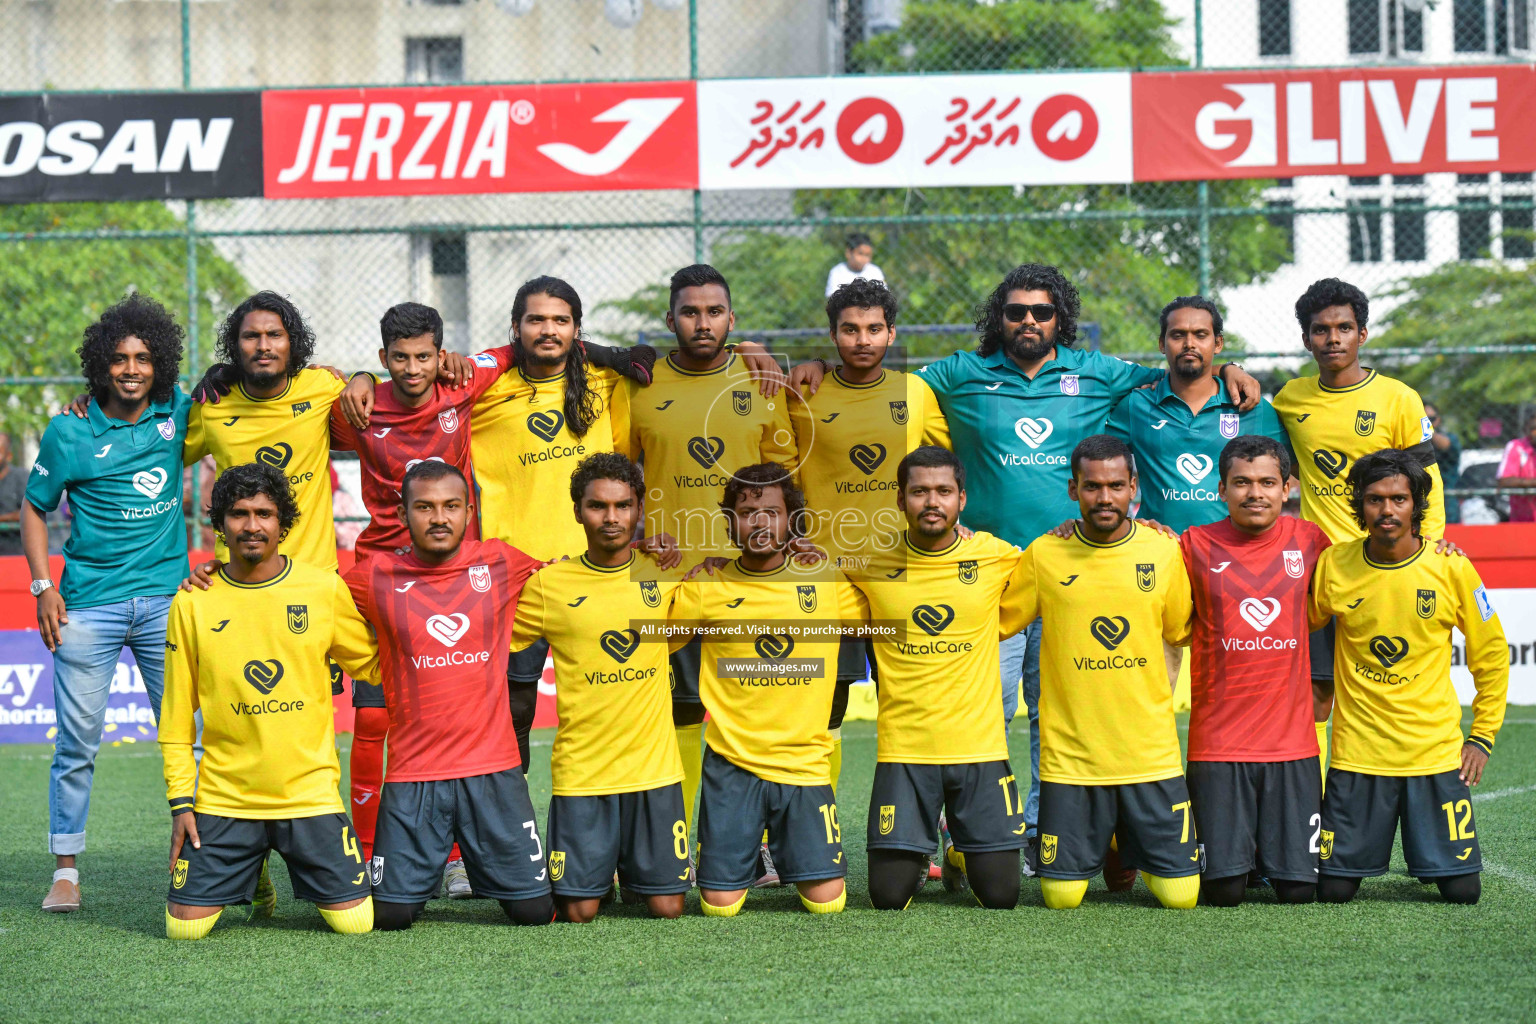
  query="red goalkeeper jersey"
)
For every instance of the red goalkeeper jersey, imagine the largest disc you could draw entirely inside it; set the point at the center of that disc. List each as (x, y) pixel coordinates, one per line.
(443, 632)
(398, 437)
(1250, 673)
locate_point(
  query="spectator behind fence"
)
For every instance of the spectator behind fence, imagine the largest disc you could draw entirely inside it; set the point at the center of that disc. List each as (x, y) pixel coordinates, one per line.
(13, 488)
(1448, 457)
(1518, 471)
(856, 264)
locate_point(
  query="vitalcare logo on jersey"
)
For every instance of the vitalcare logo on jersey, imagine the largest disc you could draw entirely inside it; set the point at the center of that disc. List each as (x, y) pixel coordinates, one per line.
(620, 645)
(1260, 613)
(150, 482)
(264, 677)
(1033, 431)
(547, 425)
(1194, 468)
(934, 619)
(278, 456)
(1110, 631)
(1388, 650)
(448, 630)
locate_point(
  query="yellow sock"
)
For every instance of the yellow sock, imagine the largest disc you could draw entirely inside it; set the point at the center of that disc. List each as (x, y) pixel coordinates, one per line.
(835, 762)
(956, 858)
(1177, 893)
(1322, 750)
(175, 928)
(1062, 893)
(690, 744)
(352, 921)
(829, 907)
(710, 910)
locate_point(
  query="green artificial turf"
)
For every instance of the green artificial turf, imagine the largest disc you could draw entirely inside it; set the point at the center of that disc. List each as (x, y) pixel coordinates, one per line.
(1396, 954)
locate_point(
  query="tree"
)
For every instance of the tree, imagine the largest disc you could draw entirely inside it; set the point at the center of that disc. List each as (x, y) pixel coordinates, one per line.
(51, 290)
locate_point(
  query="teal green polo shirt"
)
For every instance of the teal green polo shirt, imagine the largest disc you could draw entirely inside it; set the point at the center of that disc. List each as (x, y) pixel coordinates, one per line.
(1015, 435)
(1178, 451)
(127, 537)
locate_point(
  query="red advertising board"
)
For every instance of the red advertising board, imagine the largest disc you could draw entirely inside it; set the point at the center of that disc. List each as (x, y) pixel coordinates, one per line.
(328, 143)
(1360, 121)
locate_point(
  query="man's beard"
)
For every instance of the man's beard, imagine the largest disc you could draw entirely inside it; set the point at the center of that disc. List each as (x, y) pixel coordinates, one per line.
(1022, 348)
(1189, 371)
(264, 379)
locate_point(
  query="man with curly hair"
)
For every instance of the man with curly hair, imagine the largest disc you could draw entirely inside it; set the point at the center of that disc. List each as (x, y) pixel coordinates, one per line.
(120, 466)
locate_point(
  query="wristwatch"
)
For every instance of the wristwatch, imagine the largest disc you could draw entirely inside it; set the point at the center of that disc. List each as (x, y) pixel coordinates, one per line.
(38, 586)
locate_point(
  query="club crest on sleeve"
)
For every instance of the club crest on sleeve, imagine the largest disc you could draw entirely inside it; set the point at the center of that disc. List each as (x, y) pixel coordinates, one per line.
(480, 577)
(650, 593)
(298, 618)
(1365, 422)
(1229, 425)
(448, 420)
(299, 408)
(1146, 576)
(1426, 604)
(899, 412)
(1069, 384)
(887, 818)
(806, 592)
(484, 359)
(1295, 567)
(968, 571)
(168, 429)
(741, 402)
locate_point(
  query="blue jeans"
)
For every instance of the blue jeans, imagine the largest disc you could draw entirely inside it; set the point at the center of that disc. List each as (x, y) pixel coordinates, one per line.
(1020, 659)
(83, 669)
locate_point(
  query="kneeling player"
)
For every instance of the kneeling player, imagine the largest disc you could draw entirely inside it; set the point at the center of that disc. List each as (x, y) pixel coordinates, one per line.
(443, 614)
(617, 777)
(942, 745)
(1110, 595)
(1253, 774)
(1398, 752)
(251, 653)
(769, 697)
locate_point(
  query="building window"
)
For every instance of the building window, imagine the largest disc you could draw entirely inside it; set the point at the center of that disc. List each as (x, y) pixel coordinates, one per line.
(1518, 224)
(1378, 231)
(1474, 229)
(1274, 28)
(434, 59)
(1495, 27)
(1281, 203)
(1385, 28)
(1408, 236)
(440, 278)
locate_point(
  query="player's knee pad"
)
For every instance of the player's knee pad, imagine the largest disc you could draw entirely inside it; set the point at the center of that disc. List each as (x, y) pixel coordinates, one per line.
(176, 928)
(994, 878)
(684, 715)
(356, 920)
(894, 876)
(1063, 893)
(1223, 892)
(730, 910)
(1461, 888)
(394, 917)
(539, 910)
(1336, 889)
(1294, 892)
(1174, 893)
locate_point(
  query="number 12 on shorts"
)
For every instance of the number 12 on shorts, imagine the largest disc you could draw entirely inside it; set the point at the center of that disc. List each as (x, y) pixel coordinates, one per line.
(1463, 828)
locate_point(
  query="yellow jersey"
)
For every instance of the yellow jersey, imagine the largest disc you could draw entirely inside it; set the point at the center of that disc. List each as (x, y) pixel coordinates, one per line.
(938, 687)
(252, 658)
(769, 692)
(611, 687)
(850, 438)
(1397, 712)
(291, 431)
(694, 429)
(1330, 428)
(524, 453)
(1106, 708)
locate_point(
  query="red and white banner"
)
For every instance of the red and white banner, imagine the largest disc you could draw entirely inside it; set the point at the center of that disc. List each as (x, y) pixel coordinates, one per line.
(1364, 121)
(325, 143)
(900, 131)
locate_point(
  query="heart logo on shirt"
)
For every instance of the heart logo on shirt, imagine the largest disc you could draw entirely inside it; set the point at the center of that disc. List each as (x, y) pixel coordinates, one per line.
(774, 647)
(447, 629)
(1110, 631)
(1194, 468)
(1259, 612)
(546, 424)
(933, 620)
(264, 675)
(1330, 460)
(867, 457)
(619, 644)
(1389, 650)
(275, 455)
(1033, 432)
(150, 482)
(706, 451)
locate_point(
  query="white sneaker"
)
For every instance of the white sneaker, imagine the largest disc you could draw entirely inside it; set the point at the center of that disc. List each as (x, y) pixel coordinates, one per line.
(770, 876)
(456, 881)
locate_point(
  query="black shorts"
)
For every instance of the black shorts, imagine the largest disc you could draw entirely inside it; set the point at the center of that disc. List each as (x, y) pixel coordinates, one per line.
(325, 863)
(527, 666)
(685, 663)
(1320, 645)
(336, 675)
(367, 695)
(1152, 819)
(1361, 813)
(980, 802)
(735, 807)
(643, 836)
(1258, 814)
(491, 818)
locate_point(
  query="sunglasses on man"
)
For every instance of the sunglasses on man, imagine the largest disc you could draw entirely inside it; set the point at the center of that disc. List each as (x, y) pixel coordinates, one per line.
(1043, 312)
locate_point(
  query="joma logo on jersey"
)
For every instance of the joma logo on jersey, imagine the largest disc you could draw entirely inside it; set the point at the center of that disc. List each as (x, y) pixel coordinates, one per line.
(1331, 461)
(299, 408)
(650, 593)
(1047, 849)
(1110, 631)
(619, 644)
(480, 577)
(1426, 604)
(887, 818)
(741, 402)
(1389, 650)
(1294, 565)
(933, 619)
(967, 571)
(546, 425)
(264, 675)
(1146, 576)
(806, 594)
(276, 455)
(706, 451)
(1365, 422)
(448, 420)
(899, 413)
(867, 457)
(774, 646)
(298, 618)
